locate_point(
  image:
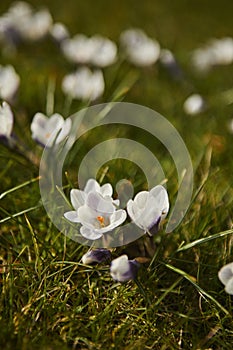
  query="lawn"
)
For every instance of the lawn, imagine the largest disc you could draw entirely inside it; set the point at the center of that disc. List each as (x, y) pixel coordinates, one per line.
(50, 299)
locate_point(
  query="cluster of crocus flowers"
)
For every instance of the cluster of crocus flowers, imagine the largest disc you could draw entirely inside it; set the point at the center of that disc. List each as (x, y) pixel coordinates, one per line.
(22, 23)
(98, 212)
(84, 84)
(216, 52)
(49, 131)
(97, 50)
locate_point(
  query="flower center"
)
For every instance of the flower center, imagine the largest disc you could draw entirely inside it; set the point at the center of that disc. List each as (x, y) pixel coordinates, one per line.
(101, 220)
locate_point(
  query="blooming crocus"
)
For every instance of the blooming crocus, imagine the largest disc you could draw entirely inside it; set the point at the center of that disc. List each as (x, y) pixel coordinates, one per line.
(139, 48)
(48, 131)
(122, 269)
(225, 275)
(97, 216)
(148, 208)
(194, 104)
(96, 50)
(6, 120)
(84, 84)
(96, 256)
(9, 83)
(95, 209)
(78, 198)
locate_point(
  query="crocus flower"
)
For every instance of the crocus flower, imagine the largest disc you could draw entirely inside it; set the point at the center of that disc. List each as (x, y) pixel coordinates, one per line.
(98, 256)
(226, 277)
(46, 130)
(122, 269)
(194, 104)
(78, 198)
(139, 48)
(9, 83)
(95, 209)
(96, 50)
(84, 84)
(215, 52)
(6, 120)
(149, 208)
(97, 216)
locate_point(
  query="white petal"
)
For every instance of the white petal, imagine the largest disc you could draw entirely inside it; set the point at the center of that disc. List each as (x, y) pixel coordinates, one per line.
(92, 186)
(229, 286)
(106, 190)
(226, 273)
(77, 198)
(117, 218)
(88, 217)
(89, 233)
(141, 199)
(72, 216)
(64, 130)
(101, 205)
(158, 198)
(7, 119)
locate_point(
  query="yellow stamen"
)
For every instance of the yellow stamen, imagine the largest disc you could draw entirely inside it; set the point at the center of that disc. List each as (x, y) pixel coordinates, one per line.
(101, 220)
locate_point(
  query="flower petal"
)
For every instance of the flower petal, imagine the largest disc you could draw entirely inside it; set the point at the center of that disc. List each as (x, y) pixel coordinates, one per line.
(89, 233)
(77, 198)
(226, 273)
(92, 186)
(103, 206)
(72, 216)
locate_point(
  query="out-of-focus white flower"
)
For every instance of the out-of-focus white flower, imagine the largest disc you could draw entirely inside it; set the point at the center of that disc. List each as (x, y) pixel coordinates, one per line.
(96, 50)
(122, 269)
(225, 275)
(26, 24)
(48, 131)
(37, 25)
(84, 84)
(59, 32)
(139, 48)
(9, 82)
(148, 208)
(194, 104)
(6, 120)
(98, 256)
(215, 52)
(95, 209)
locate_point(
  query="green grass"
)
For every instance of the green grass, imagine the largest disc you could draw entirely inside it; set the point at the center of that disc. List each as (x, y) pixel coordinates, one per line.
(48, 299)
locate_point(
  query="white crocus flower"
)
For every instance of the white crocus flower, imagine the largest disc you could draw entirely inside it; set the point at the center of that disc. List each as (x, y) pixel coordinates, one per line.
(194, 104)
(139, 48)
(215, 52)
(95, 209)
(84, 84)
(36, 26)
(9, 82)
(149, 208)
(95, 50)
(78, 198)
(226, 277)
(6, 120)
(122, 269)
(48, 131)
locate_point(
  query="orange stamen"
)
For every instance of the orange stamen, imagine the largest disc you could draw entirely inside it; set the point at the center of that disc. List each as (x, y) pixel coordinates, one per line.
(101, 220)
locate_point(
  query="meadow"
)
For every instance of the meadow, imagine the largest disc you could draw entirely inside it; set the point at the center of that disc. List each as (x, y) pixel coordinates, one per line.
(49, 298)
